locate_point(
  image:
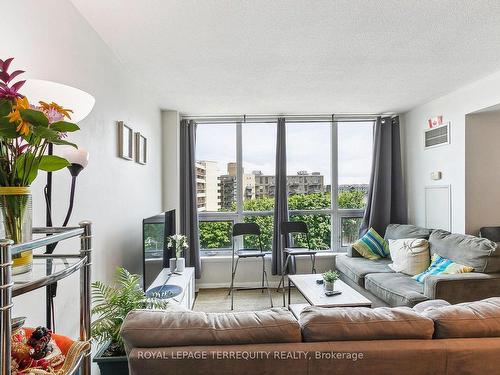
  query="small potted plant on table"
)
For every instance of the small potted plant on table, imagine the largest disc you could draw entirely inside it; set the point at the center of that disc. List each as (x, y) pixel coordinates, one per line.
(329, 278)
(111, 306)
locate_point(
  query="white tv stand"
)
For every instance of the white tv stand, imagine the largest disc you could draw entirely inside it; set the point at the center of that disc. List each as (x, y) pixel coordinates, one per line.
(184, 280)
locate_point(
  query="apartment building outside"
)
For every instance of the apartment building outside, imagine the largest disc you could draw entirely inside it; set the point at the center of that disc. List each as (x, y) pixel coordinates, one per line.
(207, 183)
(301, 183)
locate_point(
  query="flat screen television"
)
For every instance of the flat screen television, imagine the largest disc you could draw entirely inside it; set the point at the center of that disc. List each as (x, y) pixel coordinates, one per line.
(155, 230)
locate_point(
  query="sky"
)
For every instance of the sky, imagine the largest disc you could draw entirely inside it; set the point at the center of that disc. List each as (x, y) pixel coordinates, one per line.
(308, 148)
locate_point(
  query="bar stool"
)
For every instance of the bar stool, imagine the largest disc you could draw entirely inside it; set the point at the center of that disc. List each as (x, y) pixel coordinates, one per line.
(289, 228)
(243, 229)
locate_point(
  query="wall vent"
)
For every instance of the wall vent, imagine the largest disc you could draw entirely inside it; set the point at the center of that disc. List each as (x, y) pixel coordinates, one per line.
(438, 136)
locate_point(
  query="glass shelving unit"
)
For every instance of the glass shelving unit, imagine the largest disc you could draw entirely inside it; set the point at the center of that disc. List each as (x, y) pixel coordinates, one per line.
(47, 270)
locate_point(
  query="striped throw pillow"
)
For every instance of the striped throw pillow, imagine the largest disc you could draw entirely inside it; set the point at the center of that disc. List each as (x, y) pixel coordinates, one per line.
(371, 246)
(442, 266)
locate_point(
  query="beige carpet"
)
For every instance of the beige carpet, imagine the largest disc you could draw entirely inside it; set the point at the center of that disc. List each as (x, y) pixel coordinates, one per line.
(218, 300)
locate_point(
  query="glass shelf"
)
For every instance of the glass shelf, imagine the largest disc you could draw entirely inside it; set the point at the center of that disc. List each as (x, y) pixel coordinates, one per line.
(43, 274)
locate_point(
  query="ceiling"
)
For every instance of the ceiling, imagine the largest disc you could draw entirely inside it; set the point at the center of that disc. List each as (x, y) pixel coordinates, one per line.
(291, 56)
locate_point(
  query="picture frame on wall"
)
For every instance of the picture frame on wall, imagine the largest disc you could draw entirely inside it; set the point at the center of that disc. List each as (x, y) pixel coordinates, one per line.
(125, 141)
(141, 149)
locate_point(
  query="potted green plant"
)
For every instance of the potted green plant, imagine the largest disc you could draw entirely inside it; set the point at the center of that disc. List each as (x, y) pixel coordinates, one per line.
(329, 278)
(111, 304)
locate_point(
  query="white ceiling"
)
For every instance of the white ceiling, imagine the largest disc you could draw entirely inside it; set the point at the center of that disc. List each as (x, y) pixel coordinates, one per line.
(291, 56)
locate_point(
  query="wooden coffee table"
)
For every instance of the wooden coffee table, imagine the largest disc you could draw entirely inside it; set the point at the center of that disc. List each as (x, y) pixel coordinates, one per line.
(315, 294)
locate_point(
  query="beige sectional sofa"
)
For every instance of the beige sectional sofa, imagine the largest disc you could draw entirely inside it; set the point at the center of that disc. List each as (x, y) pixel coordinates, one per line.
(434, 337)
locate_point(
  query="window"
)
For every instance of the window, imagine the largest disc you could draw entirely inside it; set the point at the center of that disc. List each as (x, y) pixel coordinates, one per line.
(309, 171)
(258, 160)
(216, 167)
(355, 145)
(236, 179)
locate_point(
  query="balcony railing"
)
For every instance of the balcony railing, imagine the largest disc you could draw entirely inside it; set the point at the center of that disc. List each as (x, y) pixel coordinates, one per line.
(341, 230)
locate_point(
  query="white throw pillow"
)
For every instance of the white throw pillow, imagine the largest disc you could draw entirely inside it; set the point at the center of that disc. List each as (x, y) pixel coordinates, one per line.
(409, 255)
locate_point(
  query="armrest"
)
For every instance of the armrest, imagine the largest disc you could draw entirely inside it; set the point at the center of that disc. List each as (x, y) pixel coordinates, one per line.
(353, 253)
(462, 287)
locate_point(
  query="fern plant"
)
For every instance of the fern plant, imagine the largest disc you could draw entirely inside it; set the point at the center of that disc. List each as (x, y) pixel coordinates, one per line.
(111, 304)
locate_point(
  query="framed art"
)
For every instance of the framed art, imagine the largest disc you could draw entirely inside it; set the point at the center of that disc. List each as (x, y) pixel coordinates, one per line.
(125, 141)
(141, 148)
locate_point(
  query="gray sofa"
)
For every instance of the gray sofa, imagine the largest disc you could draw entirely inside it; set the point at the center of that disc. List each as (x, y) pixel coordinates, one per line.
(387, 287)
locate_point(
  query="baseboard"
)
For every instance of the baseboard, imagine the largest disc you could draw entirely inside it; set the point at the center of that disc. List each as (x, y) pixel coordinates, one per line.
(272, 284)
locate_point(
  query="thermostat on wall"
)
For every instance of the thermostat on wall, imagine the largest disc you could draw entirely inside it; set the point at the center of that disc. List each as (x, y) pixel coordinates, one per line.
(436, 176)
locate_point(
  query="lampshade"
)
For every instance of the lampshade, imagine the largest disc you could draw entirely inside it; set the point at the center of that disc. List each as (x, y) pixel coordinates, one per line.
(78, 156)
(80, 102)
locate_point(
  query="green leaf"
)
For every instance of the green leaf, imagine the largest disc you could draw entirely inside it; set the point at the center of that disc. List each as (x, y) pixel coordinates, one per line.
(34, 117)
(64, 127)
(63, 143)
(51, 163)
(52, 136)
(5, 107)
(27, 167)
(7, 129)
(46, 133)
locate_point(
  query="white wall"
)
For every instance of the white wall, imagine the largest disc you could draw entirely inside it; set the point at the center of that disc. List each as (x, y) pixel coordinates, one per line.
(216, 270)
(52, 41)
(448, 159)
(482, 171)
(170, 154)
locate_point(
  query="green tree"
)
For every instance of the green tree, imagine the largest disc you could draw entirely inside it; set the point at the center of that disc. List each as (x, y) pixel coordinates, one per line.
(354, 199)
(319, 225)
(217, 234)
(265, 223)
(351, 199)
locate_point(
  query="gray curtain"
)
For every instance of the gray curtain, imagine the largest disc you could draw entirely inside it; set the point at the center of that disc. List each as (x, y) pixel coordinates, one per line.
(386, 194)
(280, 198)
(188, 206)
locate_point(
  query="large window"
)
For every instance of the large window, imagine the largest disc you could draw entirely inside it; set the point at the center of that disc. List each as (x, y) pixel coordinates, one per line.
(236, 179)
(309, 179)
(355, 145)
(216, 183)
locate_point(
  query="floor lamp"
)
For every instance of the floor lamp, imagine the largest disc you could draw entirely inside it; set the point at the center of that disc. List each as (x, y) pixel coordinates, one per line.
(79, 159)
(81, 103)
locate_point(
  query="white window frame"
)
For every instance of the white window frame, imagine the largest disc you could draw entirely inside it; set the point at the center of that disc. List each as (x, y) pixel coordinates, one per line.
(334, 211)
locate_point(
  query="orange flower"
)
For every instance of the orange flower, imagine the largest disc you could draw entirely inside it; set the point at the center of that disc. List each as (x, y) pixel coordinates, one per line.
(23, 128)
(63, 111)
(15, 116)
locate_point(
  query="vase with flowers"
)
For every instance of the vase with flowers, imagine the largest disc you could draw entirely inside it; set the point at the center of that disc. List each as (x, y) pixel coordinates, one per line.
(179, 243)
(26, 130)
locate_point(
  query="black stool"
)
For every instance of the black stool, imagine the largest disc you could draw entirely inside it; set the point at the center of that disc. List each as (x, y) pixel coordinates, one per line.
(289, 228)
(243, 229)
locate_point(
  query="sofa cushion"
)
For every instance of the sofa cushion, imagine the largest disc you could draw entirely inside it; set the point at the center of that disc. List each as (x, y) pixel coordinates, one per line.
(357, 268)
(409, 255)
(442, 266)
(399, 231)
(154, 328)
(371, 246)
(479, 253)
(430, 304)
(470, 319)
(361, 323)
(396, 289)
